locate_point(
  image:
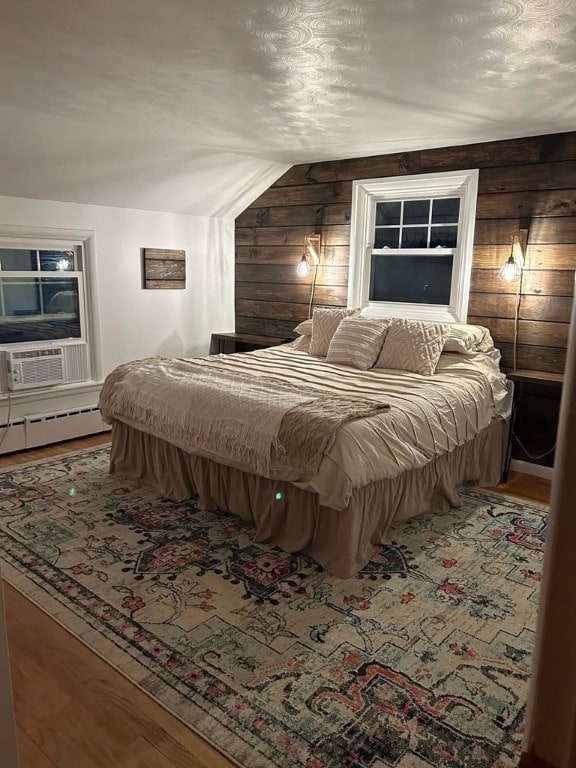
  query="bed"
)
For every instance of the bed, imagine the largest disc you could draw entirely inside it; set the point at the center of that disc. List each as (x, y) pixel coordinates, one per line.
(419, 440)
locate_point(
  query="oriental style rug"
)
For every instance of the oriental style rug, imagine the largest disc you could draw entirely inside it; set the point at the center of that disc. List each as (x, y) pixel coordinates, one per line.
(421, 660)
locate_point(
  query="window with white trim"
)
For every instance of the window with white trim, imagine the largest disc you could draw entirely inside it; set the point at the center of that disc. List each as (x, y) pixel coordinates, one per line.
(43, 310)
(411, 245)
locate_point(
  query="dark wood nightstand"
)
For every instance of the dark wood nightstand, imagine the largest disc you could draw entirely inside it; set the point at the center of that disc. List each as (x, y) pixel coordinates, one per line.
(227, 343)
(532, 383)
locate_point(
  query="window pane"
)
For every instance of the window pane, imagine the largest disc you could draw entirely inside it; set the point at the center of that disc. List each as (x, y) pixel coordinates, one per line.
(62, 261)
(416, 212)
(39, 309)
(21, 296)
(387, 238)
(414, 279)
(415, 237)
(446, 211)
(18, 260)
(388, 213)
(444, 236)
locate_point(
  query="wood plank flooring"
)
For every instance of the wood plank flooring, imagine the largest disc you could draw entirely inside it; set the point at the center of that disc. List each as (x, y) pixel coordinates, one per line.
(73, 710)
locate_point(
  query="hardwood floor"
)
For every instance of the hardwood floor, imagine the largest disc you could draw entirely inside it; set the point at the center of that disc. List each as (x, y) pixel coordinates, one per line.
(73, 710)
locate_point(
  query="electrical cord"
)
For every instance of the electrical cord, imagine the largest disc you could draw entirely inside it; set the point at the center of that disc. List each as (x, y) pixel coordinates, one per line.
(517, 317)
(7, 427)
(313, 290)
(531, 456)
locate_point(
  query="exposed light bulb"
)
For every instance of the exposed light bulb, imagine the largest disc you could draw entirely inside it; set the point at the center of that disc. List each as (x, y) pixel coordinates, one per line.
(63, 264)
(510, 271)
(303, 267)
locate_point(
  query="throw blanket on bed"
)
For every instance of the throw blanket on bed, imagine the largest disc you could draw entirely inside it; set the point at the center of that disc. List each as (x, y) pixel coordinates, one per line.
(233, 416)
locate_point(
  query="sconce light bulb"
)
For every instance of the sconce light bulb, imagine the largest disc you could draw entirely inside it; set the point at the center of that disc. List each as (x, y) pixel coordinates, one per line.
(510, 271)
(303, 267)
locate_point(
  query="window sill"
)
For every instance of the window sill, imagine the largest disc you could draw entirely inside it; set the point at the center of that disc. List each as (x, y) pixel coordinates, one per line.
(430, 312)
(49, 393)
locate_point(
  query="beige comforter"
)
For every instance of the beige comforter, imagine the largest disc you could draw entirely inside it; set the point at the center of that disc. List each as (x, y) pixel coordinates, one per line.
(428, 416)
(255, 421)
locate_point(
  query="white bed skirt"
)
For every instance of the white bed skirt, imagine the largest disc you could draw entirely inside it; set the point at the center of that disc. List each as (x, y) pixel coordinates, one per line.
(342, 541)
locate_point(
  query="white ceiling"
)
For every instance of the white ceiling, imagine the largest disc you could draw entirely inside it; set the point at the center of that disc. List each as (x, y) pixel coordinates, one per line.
(195, 106)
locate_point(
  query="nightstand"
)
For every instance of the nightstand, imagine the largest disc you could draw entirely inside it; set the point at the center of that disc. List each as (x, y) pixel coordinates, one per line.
(534, 384)
(227, 343)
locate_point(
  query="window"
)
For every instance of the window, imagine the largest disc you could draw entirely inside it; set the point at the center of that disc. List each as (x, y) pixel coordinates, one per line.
(411, 245)
(41, 294)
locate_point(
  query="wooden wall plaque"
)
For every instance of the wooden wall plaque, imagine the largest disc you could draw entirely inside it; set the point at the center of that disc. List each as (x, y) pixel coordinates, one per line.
(163, 268)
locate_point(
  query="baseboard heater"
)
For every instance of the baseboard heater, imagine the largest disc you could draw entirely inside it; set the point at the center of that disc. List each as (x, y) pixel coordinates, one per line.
(44, 428)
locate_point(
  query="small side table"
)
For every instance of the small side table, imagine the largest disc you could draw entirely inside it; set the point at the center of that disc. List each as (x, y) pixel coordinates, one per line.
(522, 377)
(227, 343)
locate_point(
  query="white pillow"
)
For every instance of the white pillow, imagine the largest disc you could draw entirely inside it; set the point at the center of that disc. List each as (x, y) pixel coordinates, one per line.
(412, 345)
(357, 342)
(465, 338)
(302, 343)
(324, 325)
(304, 328)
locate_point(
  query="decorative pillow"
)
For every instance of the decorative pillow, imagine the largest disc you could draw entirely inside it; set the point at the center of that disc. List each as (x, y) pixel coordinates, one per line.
(357, 342)
(464, 338)
(412, 345)
(304, 328)
(324, 325)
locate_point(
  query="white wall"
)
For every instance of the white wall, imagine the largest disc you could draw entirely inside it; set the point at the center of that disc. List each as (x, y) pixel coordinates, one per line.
(131, 322)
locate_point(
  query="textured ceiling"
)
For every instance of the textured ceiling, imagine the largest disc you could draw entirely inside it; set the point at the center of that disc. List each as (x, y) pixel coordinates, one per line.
(195, 106)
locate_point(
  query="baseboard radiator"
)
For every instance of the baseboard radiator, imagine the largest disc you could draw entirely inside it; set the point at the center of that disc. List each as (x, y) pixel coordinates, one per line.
(44, 428)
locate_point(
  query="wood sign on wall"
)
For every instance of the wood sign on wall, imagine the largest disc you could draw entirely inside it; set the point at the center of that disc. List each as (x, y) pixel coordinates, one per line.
(163, 268)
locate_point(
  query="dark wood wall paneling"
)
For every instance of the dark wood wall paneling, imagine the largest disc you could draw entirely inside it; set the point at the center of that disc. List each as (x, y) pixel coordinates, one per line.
(522, 179)
(526, 181)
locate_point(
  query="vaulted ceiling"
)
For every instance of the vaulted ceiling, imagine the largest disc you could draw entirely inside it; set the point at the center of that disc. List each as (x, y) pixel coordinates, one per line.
(195, 106)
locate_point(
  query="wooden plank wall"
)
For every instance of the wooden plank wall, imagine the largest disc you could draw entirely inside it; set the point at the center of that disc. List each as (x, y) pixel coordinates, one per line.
(523, 182)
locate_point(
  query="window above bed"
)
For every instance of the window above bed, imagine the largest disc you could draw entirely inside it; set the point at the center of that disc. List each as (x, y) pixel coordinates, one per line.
(411, 245)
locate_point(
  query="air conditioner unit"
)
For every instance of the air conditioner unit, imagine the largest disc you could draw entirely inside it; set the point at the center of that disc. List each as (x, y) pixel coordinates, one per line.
(35, 367)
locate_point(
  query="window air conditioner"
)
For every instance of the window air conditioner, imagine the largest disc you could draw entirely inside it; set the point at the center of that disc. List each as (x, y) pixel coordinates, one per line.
(35, 367)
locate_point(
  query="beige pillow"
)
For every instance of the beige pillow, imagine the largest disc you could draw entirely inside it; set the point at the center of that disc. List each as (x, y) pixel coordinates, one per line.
(357, 342)
(324, 325)
(412, 345)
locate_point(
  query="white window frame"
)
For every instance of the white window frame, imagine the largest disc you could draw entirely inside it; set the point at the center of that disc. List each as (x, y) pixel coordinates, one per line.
(365, 194)
(17, 236)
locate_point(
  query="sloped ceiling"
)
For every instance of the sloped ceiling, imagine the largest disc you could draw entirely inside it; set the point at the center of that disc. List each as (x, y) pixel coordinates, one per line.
(196, 106)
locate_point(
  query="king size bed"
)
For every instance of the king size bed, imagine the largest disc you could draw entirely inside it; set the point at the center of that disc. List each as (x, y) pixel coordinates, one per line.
(317, 456)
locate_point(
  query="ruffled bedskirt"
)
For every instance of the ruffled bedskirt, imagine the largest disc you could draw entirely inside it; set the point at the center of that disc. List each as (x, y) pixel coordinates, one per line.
(342, 541)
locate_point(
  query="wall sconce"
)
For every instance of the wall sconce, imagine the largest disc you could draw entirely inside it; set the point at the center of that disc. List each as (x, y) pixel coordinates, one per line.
(512, 269)
(312, 248)
(312, 245)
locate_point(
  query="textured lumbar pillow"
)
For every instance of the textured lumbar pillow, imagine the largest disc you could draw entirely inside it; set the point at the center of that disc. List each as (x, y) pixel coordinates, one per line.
(324, 325)
(357, 342)
(412, 345)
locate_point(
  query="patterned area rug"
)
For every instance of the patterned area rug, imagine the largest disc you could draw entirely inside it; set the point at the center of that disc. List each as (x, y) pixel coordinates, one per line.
(421, 660)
